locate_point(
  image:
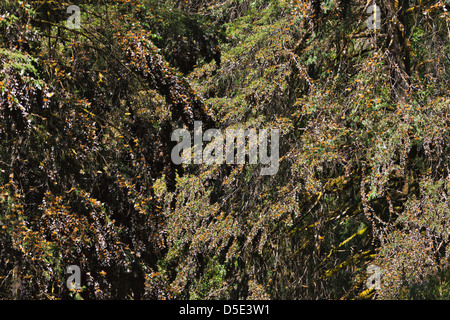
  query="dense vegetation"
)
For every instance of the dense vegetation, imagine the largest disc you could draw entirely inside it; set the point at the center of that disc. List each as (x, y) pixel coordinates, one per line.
(86, 177)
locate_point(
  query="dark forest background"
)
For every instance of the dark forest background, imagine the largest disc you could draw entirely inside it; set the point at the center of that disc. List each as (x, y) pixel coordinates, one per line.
(86, 177)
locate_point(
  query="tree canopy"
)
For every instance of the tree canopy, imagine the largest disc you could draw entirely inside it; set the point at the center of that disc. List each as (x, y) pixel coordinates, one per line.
(86, 176)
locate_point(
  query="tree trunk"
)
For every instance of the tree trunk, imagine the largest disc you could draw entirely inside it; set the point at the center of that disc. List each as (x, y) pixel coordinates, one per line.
(397, 45)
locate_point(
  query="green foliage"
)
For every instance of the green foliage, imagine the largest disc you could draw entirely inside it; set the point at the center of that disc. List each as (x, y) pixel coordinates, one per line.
(86, 177)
